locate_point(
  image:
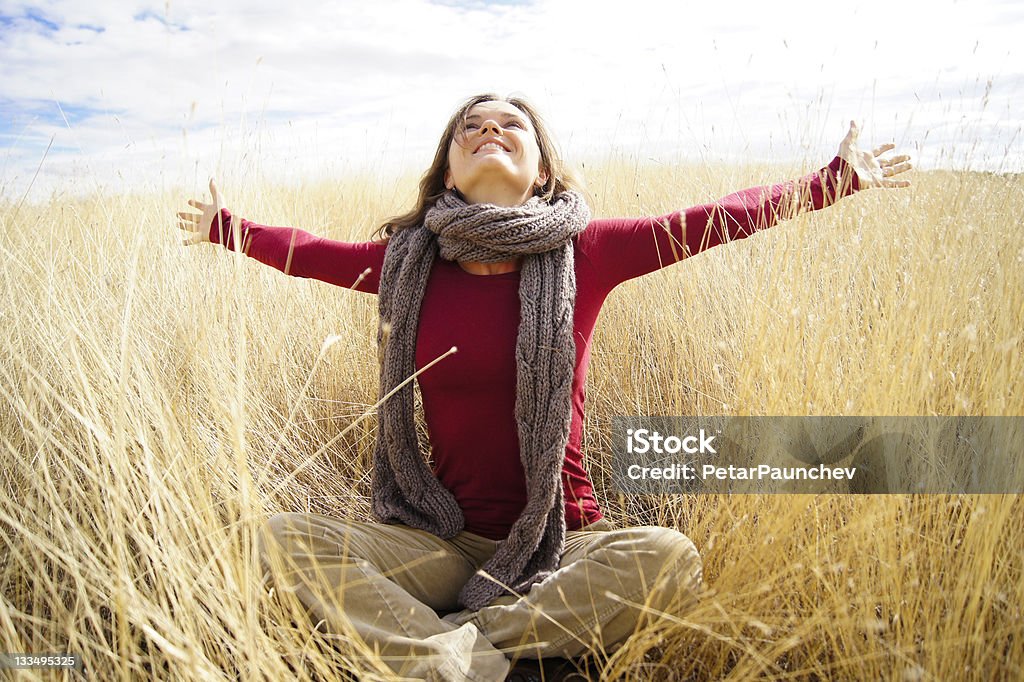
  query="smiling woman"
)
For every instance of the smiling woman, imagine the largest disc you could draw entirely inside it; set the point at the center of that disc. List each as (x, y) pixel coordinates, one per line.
(484, 149)
(437, 179)
(501, 545)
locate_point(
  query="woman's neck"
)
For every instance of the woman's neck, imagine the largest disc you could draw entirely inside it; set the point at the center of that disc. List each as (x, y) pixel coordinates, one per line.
(497, 194)
(499, 268)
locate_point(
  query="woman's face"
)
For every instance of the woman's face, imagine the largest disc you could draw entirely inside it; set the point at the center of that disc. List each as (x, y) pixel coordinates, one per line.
(496, 158)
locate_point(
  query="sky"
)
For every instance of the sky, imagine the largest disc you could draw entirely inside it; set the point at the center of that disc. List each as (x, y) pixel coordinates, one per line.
(124, 96)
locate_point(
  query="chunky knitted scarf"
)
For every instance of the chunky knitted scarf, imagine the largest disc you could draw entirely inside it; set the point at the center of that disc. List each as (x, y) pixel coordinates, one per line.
(404, 488)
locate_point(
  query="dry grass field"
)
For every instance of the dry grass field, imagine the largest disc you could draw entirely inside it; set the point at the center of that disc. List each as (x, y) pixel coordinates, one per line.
(157, 402)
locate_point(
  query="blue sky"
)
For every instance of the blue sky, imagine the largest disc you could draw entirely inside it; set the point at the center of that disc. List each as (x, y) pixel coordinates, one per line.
(158, 93)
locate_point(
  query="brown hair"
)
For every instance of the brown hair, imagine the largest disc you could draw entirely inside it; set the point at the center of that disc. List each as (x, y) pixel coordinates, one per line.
(432, 186)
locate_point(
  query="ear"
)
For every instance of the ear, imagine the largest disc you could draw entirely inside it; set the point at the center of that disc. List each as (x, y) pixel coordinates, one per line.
(448, 182)
(542, 177)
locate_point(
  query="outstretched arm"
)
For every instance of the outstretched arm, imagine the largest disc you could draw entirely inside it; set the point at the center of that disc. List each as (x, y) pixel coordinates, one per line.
(624, 248)
(290, 250)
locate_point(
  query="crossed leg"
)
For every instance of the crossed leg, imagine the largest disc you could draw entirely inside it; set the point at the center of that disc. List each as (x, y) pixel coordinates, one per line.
(388, 583)
(605, 582)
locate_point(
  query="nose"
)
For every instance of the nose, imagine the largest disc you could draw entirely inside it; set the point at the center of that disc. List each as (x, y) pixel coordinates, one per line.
(490, 126)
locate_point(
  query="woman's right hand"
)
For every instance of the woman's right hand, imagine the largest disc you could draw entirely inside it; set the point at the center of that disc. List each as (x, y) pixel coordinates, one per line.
(871, 168)
(197, 226)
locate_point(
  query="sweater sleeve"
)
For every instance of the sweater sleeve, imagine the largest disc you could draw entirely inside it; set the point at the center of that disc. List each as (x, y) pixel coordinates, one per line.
(623, 248)
(301, 254)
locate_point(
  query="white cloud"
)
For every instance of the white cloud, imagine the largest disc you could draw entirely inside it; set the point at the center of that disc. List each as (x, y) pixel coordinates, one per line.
(165, 87)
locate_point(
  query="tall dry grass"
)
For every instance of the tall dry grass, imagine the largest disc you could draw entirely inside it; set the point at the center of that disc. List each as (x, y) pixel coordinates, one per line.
(158, 402)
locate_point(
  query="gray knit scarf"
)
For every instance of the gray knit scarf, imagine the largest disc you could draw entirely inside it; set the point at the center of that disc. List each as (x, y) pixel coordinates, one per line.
(405, 490)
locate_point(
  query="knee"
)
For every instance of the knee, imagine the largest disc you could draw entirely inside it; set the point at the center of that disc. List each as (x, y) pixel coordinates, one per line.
(669, 551)
(273, 532)
(671, 567)
(284, 532)
(279, 525)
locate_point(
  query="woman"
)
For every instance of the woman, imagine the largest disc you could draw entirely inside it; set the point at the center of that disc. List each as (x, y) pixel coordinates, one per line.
(501, 546)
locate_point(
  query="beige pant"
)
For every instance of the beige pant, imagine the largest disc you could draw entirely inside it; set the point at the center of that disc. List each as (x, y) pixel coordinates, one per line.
(397, 587)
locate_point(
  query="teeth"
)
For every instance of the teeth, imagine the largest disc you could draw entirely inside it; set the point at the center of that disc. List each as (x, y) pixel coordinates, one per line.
(491, 145)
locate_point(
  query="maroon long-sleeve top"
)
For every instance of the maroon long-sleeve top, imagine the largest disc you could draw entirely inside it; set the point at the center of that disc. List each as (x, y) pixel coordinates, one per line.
(469, 397)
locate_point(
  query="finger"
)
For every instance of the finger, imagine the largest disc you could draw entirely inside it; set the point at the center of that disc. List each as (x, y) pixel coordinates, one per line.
(898, 168)
(189, 216)
(198, 204)
(895, 183)
(851, 135)
(893, 161)
(214, 193)
(884, 148)
(196, 238)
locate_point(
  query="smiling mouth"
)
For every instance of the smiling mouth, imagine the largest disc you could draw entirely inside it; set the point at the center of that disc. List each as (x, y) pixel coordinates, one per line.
(492, 144)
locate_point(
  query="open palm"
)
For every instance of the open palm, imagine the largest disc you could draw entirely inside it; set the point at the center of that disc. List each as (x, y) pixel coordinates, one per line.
(197, 225)
(872, 169)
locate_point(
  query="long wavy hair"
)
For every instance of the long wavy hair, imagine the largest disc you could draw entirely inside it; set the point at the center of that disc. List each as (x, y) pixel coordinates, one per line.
(432, 187)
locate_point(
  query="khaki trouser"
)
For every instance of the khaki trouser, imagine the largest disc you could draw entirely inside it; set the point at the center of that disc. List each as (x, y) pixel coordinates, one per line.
(397, 587)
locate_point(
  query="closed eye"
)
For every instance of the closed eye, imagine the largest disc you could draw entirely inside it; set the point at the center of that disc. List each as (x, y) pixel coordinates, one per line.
(512, 123)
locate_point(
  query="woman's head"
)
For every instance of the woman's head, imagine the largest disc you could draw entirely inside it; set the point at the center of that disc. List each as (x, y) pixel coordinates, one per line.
(528, 158)
(494, 156)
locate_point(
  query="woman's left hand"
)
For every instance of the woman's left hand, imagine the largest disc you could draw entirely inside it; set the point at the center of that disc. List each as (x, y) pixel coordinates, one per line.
(871, 168)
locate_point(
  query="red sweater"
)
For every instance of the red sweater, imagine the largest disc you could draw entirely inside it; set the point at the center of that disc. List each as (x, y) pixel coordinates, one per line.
(469, 397)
